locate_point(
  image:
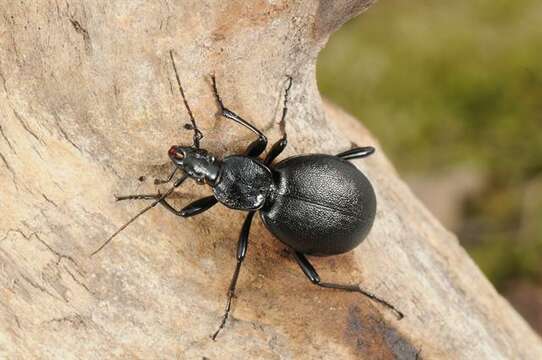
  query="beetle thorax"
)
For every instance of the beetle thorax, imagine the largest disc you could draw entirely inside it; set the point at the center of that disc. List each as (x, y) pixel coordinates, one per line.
(244, 183)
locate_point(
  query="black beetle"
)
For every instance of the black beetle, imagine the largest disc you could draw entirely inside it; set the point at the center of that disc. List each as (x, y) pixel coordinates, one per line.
(316, 204)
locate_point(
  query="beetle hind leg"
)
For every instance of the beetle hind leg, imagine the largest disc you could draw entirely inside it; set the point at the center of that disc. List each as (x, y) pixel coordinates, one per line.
(313, 276)
(357, 153)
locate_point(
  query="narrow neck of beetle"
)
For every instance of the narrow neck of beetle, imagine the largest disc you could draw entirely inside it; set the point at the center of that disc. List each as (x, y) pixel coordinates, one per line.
(203, 170)
(212, 173)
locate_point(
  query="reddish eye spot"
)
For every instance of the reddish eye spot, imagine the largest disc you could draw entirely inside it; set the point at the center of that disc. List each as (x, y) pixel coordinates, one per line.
(172, 151)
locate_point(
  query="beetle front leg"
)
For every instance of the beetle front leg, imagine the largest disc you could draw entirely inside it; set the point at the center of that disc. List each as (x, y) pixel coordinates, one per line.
(194, 208)
(138, 197)
(313, 276)
(168, 179)
(242, 247)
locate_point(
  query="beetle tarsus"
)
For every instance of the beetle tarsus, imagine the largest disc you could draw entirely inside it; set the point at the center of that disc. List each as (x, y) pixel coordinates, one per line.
(356, 288)
(313, 276)
(242, 247)
(168, 179)
(285, 106)
(177, 183)
(231, 295)
(280, 145)
(255, 148)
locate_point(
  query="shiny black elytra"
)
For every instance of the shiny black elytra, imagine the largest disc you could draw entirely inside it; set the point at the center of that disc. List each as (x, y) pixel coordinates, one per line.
(315, 204)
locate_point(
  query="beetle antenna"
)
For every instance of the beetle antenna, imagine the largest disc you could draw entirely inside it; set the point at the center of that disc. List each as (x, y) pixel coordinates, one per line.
(198, 135)
(141, 212)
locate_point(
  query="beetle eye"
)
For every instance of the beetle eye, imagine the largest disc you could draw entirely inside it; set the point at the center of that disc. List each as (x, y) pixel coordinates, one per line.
(175, 153)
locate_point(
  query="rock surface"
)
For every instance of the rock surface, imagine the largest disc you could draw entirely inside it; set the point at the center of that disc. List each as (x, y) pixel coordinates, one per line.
(88, 109)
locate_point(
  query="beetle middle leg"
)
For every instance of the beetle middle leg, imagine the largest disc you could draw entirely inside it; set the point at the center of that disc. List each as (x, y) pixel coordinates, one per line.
(255, 148)
(357, 153)
(242, 246)
(194, 208)
(280, 145)
(313, 276)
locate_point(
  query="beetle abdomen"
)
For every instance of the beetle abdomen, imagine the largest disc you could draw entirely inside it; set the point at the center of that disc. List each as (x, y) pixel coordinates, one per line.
(323, 205)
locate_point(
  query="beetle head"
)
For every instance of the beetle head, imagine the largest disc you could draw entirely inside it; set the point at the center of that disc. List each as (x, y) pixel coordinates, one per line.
(196, 163)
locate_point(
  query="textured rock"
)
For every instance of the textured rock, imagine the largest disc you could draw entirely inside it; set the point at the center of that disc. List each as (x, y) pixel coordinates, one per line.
(88, 106)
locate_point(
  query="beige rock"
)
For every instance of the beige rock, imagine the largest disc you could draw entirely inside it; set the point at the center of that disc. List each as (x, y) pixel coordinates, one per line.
(88, 105)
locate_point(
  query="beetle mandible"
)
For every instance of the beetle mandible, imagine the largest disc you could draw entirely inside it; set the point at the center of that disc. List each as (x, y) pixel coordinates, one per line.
(315, 204)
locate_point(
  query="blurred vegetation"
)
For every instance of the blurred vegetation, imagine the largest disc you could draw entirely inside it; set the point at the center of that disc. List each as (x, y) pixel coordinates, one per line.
(443, 83)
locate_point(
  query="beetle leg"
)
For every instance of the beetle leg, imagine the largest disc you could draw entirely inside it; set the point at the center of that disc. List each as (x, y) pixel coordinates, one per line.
(157, 200)
(194, 208)
(280, 145)
(138, 197)
(275, 151)
(313, 276)
(257, 146)
(168, 179)
(357, 153)
(242, 246)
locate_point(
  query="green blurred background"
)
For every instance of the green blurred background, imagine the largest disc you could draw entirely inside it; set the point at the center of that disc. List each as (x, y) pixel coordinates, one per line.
(453, 90)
